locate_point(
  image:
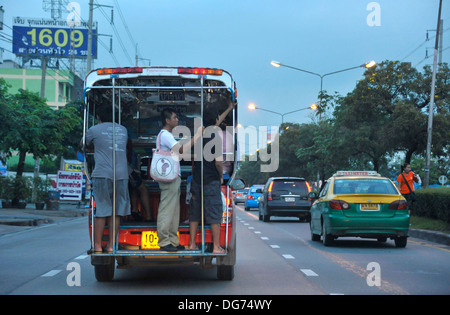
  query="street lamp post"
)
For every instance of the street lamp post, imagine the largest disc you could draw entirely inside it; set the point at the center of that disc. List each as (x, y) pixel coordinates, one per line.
(253, 107)
(321, 76)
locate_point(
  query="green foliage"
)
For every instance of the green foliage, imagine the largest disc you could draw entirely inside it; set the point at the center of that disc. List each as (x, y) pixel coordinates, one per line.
(15, 188)
(433, 203)
(42, 188)
(32, 127)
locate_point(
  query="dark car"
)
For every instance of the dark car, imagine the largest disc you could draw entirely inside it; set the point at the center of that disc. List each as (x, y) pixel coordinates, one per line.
(285, 197)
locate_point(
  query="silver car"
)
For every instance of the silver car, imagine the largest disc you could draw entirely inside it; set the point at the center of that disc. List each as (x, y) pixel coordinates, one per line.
(240, 196)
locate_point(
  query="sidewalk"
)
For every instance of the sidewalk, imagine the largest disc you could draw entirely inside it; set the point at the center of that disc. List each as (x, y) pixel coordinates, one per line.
(12, 220)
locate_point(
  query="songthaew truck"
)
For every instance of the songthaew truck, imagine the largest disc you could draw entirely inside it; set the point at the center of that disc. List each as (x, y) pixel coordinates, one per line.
(136, 96)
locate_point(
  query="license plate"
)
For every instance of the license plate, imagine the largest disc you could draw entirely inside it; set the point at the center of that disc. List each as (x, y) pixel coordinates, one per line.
(289, 199)
(149, 240)
(369, 207)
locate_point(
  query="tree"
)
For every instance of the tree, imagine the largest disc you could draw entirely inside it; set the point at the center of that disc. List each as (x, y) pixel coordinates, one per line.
(385, 112)
(35, 128)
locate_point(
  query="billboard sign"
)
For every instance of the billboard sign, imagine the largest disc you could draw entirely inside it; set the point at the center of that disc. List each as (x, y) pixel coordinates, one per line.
(48, 37)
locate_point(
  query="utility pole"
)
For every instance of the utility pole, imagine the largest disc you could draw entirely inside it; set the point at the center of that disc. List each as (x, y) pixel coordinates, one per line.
(37, 160)
(431, 109)
(89, 52)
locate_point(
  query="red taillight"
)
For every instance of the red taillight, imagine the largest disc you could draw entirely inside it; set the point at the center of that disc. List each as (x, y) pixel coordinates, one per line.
(119, 70)
(238, 195)
(309, 190)
(398, 205)
(200, 71)
(269, 194)
(339, 204)
(92, 204)
(250, 197)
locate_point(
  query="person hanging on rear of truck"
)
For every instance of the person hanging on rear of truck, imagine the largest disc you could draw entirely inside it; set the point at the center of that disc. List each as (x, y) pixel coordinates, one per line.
(100, 137)
(212, 180)
(169, 207)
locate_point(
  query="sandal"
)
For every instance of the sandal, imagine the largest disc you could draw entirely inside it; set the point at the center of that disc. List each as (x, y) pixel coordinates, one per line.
(220, 251)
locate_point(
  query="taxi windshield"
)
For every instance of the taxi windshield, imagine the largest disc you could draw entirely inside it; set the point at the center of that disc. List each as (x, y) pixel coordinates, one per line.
(356, 186)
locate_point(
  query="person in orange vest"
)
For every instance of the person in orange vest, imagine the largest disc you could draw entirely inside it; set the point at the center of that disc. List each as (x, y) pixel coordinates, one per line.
(406, 184)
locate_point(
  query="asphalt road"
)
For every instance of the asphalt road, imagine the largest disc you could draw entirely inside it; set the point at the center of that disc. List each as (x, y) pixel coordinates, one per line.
(352, 264)
(274, 258)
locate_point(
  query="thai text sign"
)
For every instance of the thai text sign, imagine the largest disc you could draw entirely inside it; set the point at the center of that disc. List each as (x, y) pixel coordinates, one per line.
(39, 36)
(70, 185)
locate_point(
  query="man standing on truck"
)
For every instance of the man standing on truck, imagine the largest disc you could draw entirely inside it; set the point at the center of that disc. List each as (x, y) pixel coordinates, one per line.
(169, 206)
(212, 180)
(100, 138)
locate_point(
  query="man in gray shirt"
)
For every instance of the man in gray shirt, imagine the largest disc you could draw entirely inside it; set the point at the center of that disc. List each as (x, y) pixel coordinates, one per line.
(100, 137)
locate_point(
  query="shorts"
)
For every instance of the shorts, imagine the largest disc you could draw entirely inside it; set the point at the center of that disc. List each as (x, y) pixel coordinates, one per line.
(212, 205)
(103, 196)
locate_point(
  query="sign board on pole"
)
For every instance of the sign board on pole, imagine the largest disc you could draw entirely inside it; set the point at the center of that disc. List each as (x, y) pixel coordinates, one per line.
(48, 37)
(70, 185)
(443, 179)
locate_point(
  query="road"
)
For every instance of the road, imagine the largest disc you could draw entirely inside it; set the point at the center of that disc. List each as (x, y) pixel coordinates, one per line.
(277, 257)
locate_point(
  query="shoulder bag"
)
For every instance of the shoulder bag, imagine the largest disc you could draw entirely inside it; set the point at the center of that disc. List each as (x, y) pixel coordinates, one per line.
(165, 164)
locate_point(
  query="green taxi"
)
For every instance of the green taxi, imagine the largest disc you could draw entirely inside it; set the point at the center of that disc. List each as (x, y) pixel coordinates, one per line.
(361, 204)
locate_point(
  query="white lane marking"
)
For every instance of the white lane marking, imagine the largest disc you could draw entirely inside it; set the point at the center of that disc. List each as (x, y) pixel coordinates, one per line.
(257, 232)
(81, 257)
(265, 238)
(287, 256)
(275, 246)
(309, 272)
(51, 273)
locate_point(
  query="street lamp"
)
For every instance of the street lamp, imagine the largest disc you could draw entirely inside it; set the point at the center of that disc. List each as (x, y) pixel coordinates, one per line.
(366, 65)
(252, 106)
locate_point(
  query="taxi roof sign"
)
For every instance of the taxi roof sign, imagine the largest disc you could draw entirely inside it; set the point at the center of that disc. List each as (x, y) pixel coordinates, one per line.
(356, 173)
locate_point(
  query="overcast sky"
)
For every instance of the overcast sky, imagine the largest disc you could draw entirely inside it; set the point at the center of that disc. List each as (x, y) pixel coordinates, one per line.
(243, 36)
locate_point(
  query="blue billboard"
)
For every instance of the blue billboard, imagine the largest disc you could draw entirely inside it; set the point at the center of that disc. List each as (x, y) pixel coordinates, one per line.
(37, 36)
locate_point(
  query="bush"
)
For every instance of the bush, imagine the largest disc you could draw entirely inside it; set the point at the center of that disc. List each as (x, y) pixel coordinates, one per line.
(6, 188)
(42, 188)
(433, 203)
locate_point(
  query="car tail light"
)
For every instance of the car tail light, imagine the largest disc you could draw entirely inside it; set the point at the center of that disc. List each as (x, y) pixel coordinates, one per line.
(119, 70)
(339, 204)
(269, 194)
(226, 220)
(200, 71)
(227, 201)
(250, 197)
(398, 205)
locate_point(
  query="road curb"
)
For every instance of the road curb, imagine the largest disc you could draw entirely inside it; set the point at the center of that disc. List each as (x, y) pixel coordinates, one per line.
(433, 236)
(18, 221)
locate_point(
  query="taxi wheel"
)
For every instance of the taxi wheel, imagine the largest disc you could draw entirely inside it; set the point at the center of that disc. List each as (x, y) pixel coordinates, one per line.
(401, 241)
(314, 237)
(327, 239)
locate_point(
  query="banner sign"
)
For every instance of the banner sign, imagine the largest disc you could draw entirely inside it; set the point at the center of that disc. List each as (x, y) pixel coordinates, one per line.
(48, 37)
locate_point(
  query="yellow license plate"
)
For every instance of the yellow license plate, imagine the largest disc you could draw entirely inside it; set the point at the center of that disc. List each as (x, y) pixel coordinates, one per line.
(149, 240)
(369, 206)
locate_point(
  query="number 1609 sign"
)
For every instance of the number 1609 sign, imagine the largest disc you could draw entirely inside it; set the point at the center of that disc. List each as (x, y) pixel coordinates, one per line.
(51, 37)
